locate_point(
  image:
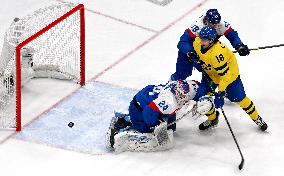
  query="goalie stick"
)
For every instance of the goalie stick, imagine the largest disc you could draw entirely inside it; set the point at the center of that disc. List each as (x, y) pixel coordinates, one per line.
(188, 112)
(193, 109)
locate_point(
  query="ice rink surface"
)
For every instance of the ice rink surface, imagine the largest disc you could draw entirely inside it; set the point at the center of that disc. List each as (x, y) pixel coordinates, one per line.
(130, 44)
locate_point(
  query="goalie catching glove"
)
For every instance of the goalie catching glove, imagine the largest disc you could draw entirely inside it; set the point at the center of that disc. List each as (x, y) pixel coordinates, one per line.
(202, 106)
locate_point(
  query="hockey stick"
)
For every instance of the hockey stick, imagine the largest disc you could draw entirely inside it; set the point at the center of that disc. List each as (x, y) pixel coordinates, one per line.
(191, 111)
(243, 160)
(236, 142)
(263, 47)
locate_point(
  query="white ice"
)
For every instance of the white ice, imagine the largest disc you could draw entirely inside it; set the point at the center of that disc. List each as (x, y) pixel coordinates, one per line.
(134, 42)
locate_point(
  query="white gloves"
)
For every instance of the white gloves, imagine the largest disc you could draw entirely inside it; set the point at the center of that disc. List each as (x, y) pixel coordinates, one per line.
(203, 106)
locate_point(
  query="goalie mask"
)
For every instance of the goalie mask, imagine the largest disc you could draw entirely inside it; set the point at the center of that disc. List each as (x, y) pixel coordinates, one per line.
(181, 90)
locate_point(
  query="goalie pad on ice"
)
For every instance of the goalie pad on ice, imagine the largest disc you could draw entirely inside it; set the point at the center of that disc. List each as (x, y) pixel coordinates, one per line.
(135, 141)
(118, 124)
(161, 133)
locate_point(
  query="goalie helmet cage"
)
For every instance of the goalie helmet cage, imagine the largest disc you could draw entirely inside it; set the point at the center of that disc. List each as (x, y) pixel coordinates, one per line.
(55, 24)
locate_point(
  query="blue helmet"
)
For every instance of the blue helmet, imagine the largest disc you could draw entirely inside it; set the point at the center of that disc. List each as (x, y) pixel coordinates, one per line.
(213, 16)
(208, 33)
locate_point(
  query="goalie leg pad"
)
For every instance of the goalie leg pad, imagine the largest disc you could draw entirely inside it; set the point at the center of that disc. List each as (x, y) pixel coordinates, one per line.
(161, 133)
(110, 134)
(118, 123)
(135, 141)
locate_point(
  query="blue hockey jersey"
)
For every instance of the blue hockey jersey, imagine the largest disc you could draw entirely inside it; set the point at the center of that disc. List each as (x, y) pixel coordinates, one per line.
(153, 104)
(185, 45)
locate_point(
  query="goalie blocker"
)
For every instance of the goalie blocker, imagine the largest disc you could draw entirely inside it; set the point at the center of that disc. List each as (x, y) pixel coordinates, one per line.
(152, 108)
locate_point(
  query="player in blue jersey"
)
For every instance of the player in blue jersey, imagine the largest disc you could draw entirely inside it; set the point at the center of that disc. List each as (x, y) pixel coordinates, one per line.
(152, 108)
(186, 51)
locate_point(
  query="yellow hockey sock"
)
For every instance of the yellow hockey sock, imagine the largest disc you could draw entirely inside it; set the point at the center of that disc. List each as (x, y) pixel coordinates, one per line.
(247, 105)
(211, 114)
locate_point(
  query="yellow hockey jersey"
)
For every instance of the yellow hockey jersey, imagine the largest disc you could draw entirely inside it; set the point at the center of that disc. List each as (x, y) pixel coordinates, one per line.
(219, 63)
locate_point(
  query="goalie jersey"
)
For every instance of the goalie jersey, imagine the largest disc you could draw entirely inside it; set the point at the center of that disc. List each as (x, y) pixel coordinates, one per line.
(153, 104)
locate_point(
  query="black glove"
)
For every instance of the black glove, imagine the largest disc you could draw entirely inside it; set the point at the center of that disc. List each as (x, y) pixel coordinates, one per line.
(242, 49)
(192, 56)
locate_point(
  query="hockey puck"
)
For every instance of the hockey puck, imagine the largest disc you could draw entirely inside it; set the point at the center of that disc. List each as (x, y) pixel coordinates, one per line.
(70, 124)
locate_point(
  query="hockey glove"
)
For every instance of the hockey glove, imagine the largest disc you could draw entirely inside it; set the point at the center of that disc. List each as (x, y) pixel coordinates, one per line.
(204, 104)
(242, 49)
(219, 100)
(192, 56)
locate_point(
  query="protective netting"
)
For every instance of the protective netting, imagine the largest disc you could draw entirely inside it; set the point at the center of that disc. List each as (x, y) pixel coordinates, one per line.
(53, 54)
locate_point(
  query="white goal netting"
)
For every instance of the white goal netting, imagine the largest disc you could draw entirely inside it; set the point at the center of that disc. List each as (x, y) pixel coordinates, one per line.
(51, 47)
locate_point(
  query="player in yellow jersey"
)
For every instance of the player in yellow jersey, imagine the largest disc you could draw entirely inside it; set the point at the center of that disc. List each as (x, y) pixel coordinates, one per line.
(219, 67)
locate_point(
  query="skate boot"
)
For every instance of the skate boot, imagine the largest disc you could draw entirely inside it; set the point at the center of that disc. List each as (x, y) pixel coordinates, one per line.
(260, 123)
(117, 124)
(210, 123)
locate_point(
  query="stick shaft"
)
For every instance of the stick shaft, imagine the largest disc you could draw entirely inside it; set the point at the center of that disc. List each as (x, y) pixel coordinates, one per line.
(236, 142)
(263, 47)
(180, 117)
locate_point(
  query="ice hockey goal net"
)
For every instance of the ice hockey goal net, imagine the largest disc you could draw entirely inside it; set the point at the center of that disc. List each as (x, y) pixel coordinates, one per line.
(47, 43)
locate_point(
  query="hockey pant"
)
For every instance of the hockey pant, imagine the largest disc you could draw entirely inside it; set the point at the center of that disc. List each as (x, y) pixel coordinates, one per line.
(235, 93)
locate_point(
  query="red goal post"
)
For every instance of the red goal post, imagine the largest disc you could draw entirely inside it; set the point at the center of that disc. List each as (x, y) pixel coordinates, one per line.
(77, 8)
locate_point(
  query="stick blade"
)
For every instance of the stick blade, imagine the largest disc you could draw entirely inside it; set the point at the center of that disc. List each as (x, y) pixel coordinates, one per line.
(242, 164)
